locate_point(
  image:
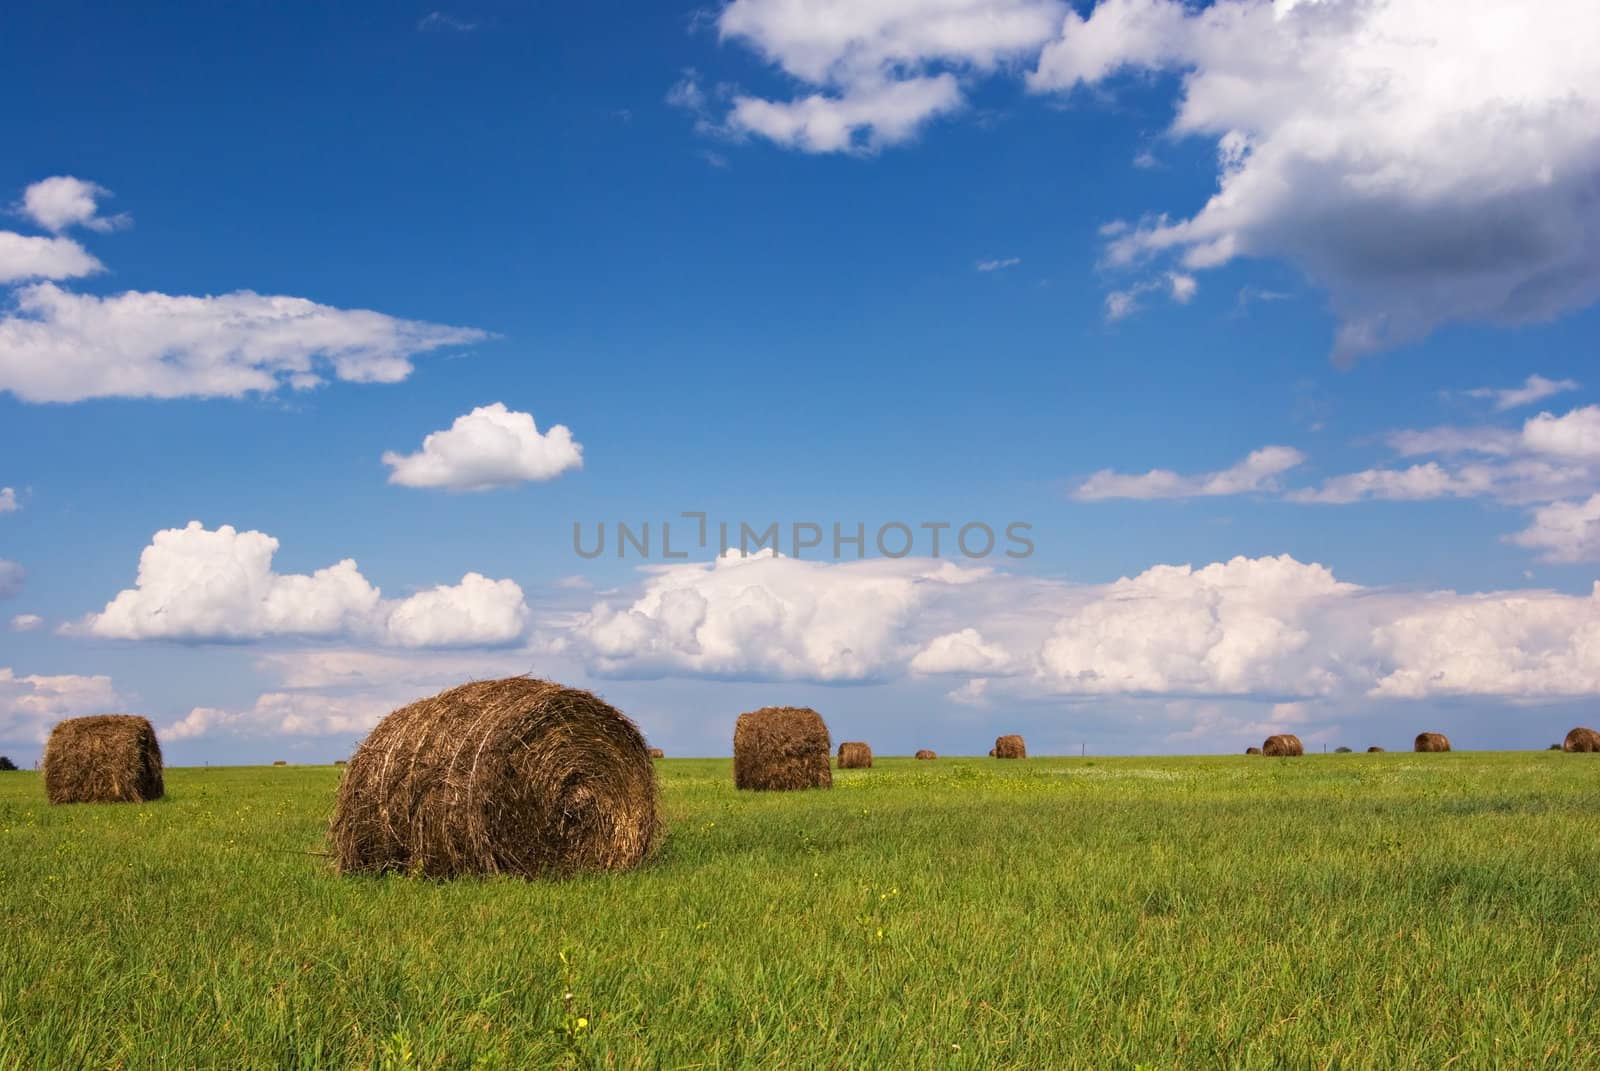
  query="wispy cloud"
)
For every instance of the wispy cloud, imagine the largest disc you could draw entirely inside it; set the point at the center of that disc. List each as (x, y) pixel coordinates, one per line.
(998, 264)
(1535, 388)
(437, 21)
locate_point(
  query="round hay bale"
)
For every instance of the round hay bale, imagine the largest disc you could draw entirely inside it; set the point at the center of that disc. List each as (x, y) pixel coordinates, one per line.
(991, 753)
(854, 755)
(1581, 739)
(107, 758)
(516, 776)
(341, 762)
(1432, 742)
(1009, 746)
(657, 753)
(1283, 745)
(926, 754)
(777, 749)
(280, 762)
(1252, 751)
(1374, 749)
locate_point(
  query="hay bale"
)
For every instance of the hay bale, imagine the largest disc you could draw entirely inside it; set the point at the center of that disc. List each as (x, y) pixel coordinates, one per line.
(991, 753)
(1342, 750)
(1283, 745)
(1009, 747)
(926, 754)
(1252, 751)
(776, 749)
(854, 755)
(107, 758)
(515, 776)
(657, 753)
(1373, 749)
(1432, 742)
(1581, 739)
(340, 762)
(280, 762)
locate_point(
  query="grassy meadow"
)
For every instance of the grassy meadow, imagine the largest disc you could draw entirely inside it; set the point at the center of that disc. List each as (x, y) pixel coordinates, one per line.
(1336, 911)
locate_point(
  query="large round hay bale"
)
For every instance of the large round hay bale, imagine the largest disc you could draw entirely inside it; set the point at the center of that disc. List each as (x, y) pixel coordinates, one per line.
(781, 748)
(515, 776)
(1581, 739)
(924, 753)
(1283, 745)
(1374, 749)
(854, 755)
(1252, 751)
(1009, 747)
(107, 758)
(1432, 742)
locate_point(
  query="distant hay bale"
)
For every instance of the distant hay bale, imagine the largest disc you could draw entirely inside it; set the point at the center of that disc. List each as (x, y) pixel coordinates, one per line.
(991, 753)
(657, 753)
(1373, 749)
(1432, 742)
(340, 762)
(1342, 750)
(777, 749)
(1581, 739)
(854, 755)
(1252, 751)
(280, 762)
(107, 758)
(516, 776)
(1283, 745)
(1009, 746)
(926, 754)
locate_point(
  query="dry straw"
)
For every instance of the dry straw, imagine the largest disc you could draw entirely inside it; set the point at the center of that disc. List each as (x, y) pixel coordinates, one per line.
(108, 758)
(1581, 739)
(515, 776)
(280, 762)
(781, 748)
(1252, 751)
(1432, 742)
(926, 754)
(1283, 745)
(1373, 749)
(855, 755)
(1009, 747)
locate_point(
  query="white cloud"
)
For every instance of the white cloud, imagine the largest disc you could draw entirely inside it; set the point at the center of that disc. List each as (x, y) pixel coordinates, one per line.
(27, 257)
(12, 576)
(998, 264)
(1564, 531)
(64, 347)
(1535, 388)
(960, 652)
(1575, 434)
(199, 585)
(8, 500)
(1257, 472)
(438, 20)
(26, 622)
(1183, 287)
(882, 68)
(62, 201)
(1268, 628)
(30, 705)
(1424, 163)
(492, 446)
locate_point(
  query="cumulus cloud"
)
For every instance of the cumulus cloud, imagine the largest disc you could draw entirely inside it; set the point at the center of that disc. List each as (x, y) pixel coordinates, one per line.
(199, 585)
(26, 622)
(30, 705)
(1272, 629)
(1424, 163)
(1564, 531)
(492, 446)
(1257, 472)
(1572, 435)
(25, 257)
(1534, 389)
(879, 69)
(62, 201)
(8, 500)
(58, 346)
(12, 576)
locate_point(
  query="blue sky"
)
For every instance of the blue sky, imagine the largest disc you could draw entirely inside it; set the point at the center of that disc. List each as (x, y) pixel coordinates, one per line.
(802, 261)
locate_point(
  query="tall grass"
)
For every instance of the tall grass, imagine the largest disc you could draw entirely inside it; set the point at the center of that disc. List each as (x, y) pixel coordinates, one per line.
(1351, 911)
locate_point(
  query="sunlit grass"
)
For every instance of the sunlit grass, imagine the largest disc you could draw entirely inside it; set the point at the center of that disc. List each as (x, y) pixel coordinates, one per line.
(1350, 911)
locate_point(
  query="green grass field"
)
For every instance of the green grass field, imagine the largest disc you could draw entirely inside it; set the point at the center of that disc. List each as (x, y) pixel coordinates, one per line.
(1350, 911)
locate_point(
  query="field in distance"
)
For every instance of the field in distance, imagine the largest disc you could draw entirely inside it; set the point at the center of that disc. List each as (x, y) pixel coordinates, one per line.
(1347, 911)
